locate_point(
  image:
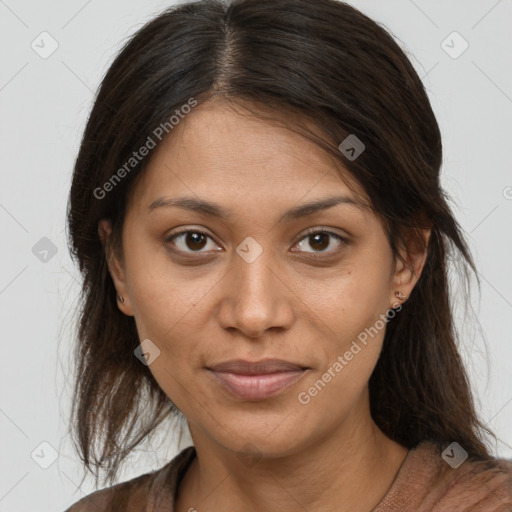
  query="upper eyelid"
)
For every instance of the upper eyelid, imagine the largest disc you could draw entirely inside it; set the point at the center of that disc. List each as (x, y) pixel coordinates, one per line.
(309, 232)
(341, 238)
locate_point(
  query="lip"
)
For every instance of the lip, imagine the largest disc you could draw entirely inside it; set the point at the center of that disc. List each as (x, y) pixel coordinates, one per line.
(264, 366)
(257, 380)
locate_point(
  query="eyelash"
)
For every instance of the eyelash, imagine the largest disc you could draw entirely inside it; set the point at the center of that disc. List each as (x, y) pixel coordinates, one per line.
(315, 254)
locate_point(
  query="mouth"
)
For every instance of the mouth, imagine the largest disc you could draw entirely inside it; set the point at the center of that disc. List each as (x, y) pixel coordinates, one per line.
(257, 380)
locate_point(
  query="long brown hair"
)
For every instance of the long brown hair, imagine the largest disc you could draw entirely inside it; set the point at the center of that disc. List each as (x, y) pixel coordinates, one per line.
(325, 63)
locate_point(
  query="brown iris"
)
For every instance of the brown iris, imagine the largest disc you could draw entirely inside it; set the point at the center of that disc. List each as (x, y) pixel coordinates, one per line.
(321, 241)
(195, 241)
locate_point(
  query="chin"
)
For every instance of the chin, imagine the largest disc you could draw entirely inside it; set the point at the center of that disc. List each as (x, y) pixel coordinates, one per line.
(263, 437)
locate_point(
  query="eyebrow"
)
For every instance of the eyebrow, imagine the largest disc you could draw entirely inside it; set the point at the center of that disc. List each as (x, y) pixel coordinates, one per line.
(214, 210)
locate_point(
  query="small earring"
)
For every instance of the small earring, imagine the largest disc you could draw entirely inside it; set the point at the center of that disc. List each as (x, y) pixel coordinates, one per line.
(121, 299)
(399, 295)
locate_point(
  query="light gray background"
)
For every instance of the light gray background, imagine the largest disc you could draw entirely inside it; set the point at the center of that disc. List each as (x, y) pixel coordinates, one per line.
(43, 107)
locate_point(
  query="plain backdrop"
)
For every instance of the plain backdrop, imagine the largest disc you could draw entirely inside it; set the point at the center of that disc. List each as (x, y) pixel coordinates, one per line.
(44, 103)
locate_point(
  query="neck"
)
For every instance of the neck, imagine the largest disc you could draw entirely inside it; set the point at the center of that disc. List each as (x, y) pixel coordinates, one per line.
(350, 470)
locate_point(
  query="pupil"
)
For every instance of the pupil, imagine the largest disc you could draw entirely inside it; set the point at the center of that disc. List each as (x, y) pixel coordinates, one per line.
(195, 237)
(320, 241)
(323, 237)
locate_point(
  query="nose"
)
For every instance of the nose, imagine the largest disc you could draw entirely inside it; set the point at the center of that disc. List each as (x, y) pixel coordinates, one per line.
(255, 297)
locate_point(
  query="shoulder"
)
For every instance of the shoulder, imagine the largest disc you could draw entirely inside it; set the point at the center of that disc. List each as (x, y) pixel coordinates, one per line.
(485, 486)
(440, 479)
(133, 492)
(140, 493)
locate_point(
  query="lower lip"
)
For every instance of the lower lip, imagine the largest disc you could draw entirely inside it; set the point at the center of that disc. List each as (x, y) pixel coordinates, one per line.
(257, 387)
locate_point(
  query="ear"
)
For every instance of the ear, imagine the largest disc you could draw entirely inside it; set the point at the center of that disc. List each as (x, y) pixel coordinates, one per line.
(115, 266)
(408, 271)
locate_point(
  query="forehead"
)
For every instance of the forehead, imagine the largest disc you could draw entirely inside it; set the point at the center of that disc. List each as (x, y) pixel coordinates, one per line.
(226, 152)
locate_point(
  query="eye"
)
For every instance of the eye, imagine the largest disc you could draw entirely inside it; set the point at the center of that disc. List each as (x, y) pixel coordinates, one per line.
(193, 239)
(320, 241)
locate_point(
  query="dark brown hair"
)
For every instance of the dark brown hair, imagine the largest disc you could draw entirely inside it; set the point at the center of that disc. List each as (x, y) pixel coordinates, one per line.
(325, 63)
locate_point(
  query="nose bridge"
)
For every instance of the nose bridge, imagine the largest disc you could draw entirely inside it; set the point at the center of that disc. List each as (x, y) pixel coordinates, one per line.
(257, 297)
(255, 271)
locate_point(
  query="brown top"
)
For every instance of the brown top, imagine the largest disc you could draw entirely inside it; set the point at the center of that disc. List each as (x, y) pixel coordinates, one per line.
(424, 483)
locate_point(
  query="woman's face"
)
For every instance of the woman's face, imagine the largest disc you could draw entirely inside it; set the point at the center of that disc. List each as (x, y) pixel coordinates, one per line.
(259, 284)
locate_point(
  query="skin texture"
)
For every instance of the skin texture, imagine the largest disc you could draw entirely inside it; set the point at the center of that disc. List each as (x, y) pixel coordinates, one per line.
(202, 304)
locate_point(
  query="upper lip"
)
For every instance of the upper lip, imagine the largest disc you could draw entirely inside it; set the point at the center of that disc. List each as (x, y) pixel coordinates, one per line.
(256, 367)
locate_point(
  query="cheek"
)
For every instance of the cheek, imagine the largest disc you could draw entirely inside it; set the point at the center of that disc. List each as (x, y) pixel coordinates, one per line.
(351, 300)
(335, 388)
(167, 319)
(353, 308)
(166, 316)
(163, 297)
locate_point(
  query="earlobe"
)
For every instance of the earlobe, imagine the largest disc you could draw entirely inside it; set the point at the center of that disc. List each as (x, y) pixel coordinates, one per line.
(400, 298)
(115, 267)
(399, 295)
(410, 266)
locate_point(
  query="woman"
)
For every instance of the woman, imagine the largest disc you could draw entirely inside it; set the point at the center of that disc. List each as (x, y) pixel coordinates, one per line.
(257, 214)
